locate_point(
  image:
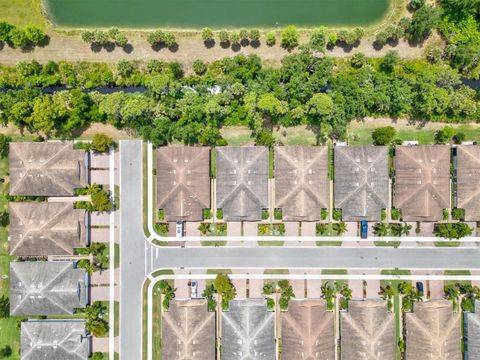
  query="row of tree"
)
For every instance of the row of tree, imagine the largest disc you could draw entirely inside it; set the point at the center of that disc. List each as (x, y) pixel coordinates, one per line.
(21, 37)
(103, 38)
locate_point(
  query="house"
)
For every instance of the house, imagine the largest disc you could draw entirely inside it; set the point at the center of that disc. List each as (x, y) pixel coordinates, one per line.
(47, 288)
(242, 182)
(248, 331)
(361, 182)
(433, 331)
(308, 331)
(183, 182)
(54, 340)
(367, 331)
(472, 334)
(47, 168)
(46, 228)
(301, 182)
(422, 181)
(188, 331)
(468, 186)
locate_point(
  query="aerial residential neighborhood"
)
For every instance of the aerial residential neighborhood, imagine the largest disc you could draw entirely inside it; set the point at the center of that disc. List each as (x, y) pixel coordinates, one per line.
(283, 180)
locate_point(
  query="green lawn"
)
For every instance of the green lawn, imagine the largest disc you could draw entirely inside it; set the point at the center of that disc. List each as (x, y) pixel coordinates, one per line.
(10, 336)
(213, 243)
(157, 323)
(270, 243)
(387, 243)
(447, 243)
(363, 135)
(22, 12)
(145, 319)
(339, 283)
(328, 243)
(456, 272)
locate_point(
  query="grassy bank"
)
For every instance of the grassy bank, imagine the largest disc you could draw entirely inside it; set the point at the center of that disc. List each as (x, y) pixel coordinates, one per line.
(22, 12)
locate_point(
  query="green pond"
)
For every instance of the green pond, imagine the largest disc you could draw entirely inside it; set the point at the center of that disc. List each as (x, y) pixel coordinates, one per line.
(213, 13)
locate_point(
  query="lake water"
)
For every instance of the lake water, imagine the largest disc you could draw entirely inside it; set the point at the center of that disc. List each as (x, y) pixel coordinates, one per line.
(191, 14)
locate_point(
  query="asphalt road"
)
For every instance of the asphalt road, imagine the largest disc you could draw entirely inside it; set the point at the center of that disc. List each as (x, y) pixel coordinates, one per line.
(138, 257)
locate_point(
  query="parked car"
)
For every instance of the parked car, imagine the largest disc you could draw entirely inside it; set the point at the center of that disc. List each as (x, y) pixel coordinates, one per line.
(179, 229)
(363, 229)
(193, 289)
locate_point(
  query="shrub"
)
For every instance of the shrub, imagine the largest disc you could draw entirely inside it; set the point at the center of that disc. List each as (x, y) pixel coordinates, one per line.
(337, 214)
(155, 37)
(88, 36)
(358, 60)
(390, 60)
(101, 142)
(207, 214)
(199, 67)
(270, 304)
(318, 38)
(459, 137)
(254, 35)
(332, 39)
(383, 135)
(445, 214)
(224, 37)
(452, 230)
(458, 214)
(416, 4)
(17, 38)
(265, 138)
(207, 35)
(324, 214)
(444, 135)
(35, 35)
(265, 214)
(235, 39)
(396, 214)
(244, 35)
(121, 40)
(169, 39)
(277, 214)
(271, 38)
(219, 214)
(290, 37)
(5, 30)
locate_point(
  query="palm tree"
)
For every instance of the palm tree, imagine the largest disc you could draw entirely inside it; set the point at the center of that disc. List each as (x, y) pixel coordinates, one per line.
(380, 229)
(386, 292)
(406, 229)
(340, 228)
(396, 229)
(322, 228)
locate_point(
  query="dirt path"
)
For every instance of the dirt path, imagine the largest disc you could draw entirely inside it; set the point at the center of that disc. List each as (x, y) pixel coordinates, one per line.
(190, 48)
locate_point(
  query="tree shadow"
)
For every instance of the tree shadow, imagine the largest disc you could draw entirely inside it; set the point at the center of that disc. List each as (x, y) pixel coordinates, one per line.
(209, 43)
(110, 46)
(158, 46)
(128, 48)
(393, 42)
(45, 42)
(225, 44)
(377, 46)
(244, 42)
(2, 45)
(236, 47)
(96, 47)
(173, 48)
(255, 44)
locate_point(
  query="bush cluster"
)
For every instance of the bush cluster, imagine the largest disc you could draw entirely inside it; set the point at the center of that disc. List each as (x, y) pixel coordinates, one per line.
(103, 38)
(21, 37)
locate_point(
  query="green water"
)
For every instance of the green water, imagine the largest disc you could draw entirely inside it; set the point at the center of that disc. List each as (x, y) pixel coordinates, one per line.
(214, 13)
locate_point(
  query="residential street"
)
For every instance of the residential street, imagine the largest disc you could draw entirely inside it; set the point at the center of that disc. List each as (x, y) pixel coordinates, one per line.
(138, 257)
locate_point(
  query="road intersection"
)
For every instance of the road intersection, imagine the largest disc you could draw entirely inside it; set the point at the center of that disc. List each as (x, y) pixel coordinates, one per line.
(139, 257)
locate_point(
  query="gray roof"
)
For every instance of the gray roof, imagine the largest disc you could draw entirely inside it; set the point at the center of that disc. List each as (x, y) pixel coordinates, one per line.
(45, 228)
(361, 181)
(468, 186)
(54, 340)
(183, 182)
(46, 168)
(301, 181)
(422, 181)
(242, 181)
(46, 288)
(188, 331)
(367, 331)
(432, 328)
(248, 331)
(472, 334)
(308, 331)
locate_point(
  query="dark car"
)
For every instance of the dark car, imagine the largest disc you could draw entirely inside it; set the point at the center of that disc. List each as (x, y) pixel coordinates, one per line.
(363, 229)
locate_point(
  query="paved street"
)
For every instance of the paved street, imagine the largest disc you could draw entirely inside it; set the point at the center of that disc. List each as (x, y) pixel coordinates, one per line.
(138, 258)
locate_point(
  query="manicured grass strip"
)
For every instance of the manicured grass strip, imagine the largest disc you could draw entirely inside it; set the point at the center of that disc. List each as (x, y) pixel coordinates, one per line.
(157, 322)
(447, 243)
(10, 336)
(328, 243)
(145, 320)
(270, 243)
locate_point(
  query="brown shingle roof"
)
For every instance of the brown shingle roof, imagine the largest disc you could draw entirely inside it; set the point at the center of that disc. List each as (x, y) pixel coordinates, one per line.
(188, 331)
(46, 168)
(361, 181)
(301, 181)
(183, 182)
(422, 181)
(468, 186)
(42, 229)
(307, 331)
(367, 331)
(242, 181)
(433, 332)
